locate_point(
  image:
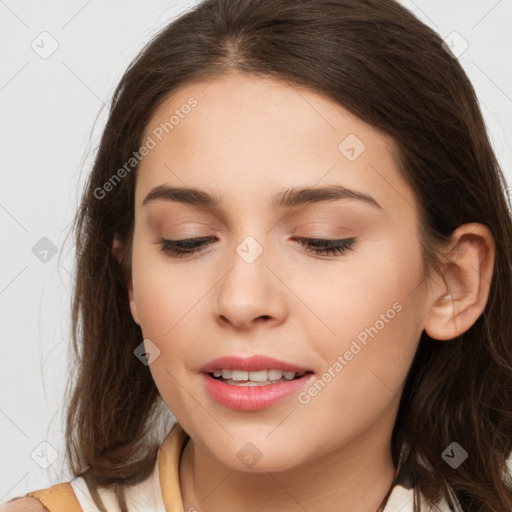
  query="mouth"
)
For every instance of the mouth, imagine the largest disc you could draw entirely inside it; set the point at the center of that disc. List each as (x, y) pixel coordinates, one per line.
(253, 382)
(265, 377)
(242, 391)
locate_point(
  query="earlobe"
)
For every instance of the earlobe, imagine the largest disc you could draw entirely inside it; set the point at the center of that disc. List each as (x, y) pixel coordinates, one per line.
(460, 297)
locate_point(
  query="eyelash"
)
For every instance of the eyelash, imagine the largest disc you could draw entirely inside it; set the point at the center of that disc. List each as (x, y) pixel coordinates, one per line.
(319, 246)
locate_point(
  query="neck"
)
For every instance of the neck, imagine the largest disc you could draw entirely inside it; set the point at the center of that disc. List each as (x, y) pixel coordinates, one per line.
(356, 476)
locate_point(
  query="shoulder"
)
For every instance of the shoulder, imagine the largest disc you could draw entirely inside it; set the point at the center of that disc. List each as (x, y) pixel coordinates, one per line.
(75, 495)
(23, 504)
(56, 498)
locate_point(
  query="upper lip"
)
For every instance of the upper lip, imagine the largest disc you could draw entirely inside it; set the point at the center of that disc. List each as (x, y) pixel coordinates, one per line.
(251, 363)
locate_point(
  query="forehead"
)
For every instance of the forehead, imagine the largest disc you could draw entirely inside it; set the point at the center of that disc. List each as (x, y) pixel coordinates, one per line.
(244, 136)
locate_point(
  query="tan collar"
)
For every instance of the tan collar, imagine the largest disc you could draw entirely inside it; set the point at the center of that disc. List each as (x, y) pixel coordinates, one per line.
(168, 467)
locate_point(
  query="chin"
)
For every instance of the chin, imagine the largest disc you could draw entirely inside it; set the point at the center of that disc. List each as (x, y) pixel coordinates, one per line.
(251, 459)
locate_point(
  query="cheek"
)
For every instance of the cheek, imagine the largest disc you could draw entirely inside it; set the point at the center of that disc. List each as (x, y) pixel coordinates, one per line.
(362, 379)
(171, 299)
(350, 295)
(366, 367)
(162, 291)
(372, 311)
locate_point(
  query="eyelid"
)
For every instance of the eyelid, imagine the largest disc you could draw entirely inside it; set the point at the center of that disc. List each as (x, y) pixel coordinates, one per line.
(320, 246)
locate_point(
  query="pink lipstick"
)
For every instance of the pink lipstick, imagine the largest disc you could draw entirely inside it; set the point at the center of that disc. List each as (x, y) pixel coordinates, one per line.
(252, 383)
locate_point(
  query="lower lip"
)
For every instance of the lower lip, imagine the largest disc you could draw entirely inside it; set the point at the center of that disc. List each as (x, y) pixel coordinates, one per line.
(252, 398)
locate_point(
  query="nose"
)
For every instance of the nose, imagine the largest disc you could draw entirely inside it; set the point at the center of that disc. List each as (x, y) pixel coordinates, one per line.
(251, 292)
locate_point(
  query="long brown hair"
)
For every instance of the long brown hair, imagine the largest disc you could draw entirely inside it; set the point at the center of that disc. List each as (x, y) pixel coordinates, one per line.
(380, 62)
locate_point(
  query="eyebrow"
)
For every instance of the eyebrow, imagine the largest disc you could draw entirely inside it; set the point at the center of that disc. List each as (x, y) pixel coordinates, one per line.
(290, 197)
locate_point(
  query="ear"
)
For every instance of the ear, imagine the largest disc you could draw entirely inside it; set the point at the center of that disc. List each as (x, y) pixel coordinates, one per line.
(459, 298)
(117, 251)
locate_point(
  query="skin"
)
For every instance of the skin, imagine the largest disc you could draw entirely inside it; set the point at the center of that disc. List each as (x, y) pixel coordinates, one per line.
(247, 139)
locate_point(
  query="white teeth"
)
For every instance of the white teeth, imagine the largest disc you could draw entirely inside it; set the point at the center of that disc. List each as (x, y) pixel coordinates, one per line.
(275, 374)
(256, 376)
(238, 375)
(259, 376)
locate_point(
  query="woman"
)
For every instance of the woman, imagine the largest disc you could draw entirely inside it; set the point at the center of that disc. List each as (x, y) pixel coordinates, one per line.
(291, 239)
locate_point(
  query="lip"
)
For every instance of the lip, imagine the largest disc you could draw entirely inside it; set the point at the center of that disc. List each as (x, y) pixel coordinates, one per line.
(251, 364)
(253, 398)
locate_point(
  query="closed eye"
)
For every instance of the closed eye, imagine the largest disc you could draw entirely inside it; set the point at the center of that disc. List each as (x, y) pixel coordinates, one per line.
(318, 246)
(322, 246)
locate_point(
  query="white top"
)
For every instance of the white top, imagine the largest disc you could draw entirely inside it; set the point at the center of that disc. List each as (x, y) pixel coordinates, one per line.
(146, 496)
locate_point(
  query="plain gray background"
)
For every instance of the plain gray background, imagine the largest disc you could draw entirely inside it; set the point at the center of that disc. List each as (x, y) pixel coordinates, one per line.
(51, 120)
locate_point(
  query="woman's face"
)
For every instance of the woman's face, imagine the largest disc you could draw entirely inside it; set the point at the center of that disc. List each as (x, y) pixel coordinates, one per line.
(351, 319)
